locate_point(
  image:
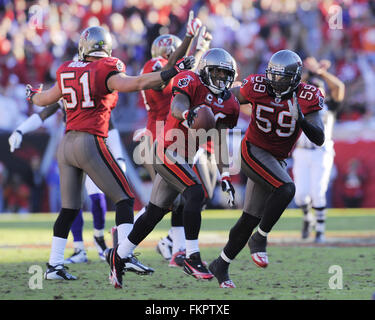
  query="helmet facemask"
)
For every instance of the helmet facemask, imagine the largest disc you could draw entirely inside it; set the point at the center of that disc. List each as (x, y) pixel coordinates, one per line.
(281, 83)
(283, 73)
(218, 79)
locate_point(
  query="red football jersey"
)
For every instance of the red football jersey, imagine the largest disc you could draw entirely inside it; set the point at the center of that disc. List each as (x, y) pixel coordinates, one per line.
(271, 125)
(87, 100)
(156, 102)
(226, 109)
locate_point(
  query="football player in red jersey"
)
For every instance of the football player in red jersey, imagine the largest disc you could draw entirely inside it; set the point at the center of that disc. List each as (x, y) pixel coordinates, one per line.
(165, 51)
(174, 157)
(89, 88)
(282, 107)
(97, 197)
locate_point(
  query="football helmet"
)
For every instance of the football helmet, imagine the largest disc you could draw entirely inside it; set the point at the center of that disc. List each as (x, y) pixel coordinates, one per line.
(95, 42)
(217, 69)
(165, 45)
(284, 71)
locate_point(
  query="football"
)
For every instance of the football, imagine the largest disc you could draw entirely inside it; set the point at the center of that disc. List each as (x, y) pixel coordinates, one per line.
(205, 118)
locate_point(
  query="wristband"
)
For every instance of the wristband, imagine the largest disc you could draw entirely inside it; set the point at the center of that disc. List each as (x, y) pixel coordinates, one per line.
(167, 75)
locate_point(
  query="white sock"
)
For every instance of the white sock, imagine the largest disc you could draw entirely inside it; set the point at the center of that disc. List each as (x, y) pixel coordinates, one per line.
(262, 233)
(98, 233)
(224, 257)
(78, 245)
(125, 248)
(191, 247)
(320, 220)
(140, 212)
(57, 251)
(178, 237)
(123, 231)
(170, 233)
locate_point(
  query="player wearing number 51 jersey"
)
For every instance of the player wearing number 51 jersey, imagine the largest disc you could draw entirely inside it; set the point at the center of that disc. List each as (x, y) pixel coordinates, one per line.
(87, 100)
(89, 90)
(282, 107)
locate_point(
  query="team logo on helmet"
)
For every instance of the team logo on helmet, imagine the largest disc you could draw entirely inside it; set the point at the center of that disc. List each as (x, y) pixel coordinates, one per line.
(165, 42)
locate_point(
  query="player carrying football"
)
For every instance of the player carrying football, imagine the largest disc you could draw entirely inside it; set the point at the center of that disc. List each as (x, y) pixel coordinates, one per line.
(282, 107)
(207, 89)
(165, 50)
(89, 88)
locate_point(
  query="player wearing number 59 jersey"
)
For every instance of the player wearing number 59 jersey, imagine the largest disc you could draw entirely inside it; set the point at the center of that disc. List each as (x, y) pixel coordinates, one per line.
(89, 90)
(272, 126)
(282, 107)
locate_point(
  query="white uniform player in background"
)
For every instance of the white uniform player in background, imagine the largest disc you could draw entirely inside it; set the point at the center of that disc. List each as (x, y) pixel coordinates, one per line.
(312, 165)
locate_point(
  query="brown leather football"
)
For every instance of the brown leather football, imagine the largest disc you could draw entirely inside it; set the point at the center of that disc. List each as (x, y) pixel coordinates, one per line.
(205, 118)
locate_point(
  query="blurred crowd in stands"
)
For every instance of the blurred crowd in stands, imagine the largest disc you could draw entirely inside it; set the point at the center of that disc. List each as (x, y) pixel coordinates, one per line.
(37, 36)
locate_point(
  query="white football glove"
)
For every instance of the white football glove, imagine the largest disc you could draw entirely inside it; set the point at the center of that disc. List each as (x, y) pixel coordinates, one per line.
(295, 109)
(204, 39)
(15, 140)
(226, 186)
(193, 25)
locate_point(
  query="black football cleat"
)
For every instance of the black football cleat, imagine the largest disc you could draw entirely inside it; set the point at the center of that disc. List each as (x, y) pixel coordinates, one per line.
(193, 266)
(117, 268)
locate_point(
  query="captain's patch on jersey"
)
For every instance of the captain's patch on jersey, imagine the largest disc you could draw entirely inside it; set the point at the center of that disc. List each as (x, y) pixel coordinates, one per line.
(120, 65)
(184, 82)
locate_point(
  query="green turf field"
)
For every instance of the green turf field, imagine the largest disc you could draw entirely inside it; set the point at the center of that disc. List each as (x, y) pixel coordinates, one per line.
(298, 269)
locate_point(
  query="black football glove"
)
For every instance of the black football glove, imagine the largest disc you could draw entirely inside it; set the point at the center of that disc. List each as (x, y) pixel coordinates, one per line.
(189, 116)
(184, 64)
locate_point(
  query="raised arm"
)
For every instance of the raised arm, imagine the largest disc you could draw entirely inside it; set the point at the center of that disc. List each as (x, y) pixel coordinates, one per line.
(335, 85)
(202, 44)
(124, 83)
(192, 29)
(43, 98)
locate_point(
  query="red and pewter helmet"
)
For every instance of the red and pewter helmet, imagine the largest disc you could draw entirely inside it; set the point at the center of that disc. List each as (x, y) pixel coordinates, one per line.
(165, 45)
(284, 71)
(217, 69)
(95, 42)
